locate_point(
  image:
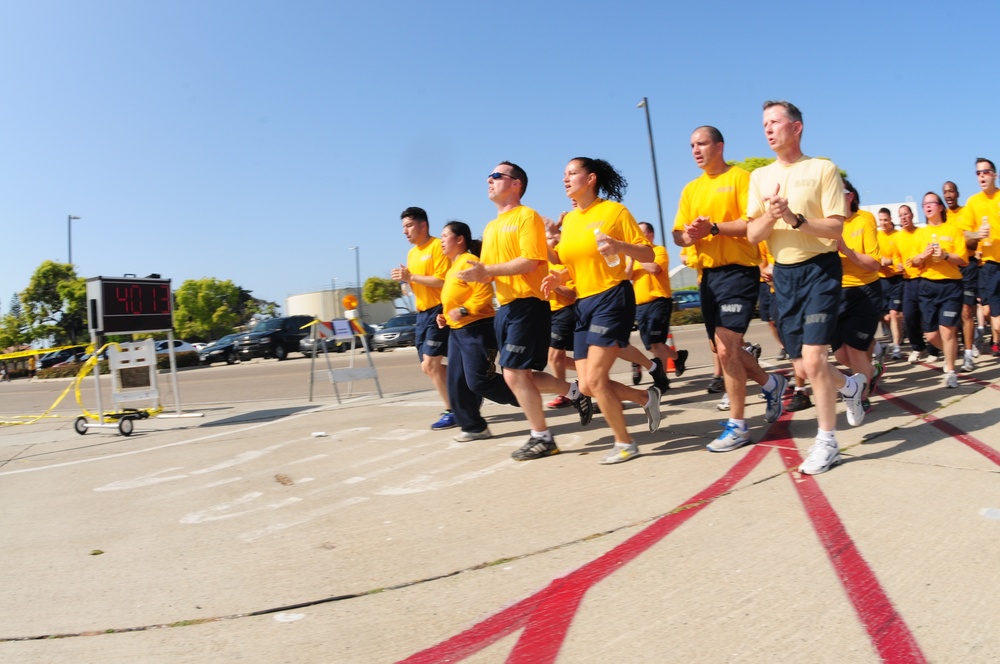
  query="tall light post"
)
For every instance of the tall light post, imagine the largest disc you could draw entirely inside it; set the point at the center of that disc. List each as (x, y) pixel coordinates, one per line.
(656, 178)
(69, 235)
(357, 274)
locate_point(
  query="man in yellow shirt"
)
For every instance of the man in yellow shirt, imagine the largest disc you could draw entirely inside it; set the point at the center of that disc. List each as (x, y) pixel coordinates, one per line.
(890, 271)
(797, 204)
(970, 273)
(984, 210)
(425, 270)
(711, 217)
(515, 259)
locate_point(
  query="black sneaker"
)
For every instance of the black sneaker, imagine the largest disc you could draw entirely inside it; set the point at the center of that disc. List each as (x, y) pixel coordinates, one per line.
(680, 363)
(636, 374)
(535, 448)
(585, 406)
(716, 385)
(799, 401)
(659, 375)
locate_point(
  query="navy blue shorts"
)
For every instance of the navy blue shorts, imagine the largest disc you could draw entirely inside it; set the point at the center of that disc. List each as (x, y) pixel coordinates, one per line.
(654, 320)
(523, 330)
(428, 337)
(808, 296)
(604, 319)
(728, 294)
(563, 328)
(859, 316)
(940, 303)
(765, 303)
(989, 286)
(892, 294)
(970, 282)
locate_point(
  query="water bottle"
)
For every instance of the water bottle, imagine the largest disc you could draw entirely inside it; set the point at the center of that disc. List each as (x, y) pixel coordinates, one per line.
(985, 226)
(935, 248)
(611, 260)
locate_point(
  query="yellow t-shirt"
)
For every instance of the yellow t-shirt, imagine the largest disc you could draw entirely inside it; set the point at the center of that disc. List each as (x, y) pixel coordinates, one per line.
(557, 300)
(476, 297)
(577, 249)
(814, 189)
(887, 247)
(952, 239)
(721, 198)
(427, 260)
(906, 248)
(517, 233)
(860, 235)
(649, 287)
(978, 206)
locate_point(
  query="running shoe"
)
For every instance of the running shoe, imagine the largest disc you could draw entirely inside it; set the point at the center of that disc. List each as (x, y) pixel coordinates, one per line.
(723, 403)
(799, 401)
(716, 385)
(659, 375)
(636, 374)
(447, 421)
(822, 457)
(535, 448)
(621, 452)
(652, 408)
(560, 402)
(968, 365)
(855, 411)
(995, 350)
(585, 406)
(975, 351)
(753, 349)
(881, 350)
(680, 364)
(876, 376)
(773, 398)
(917, 356)
(783, 355)
(897, 353)
(469, 436)
(950, 380)
(732, 438)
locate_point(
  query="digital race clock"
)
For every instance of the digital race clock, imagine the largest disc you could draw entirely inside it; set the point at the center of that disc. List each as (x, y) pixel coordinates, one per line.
(126, 305)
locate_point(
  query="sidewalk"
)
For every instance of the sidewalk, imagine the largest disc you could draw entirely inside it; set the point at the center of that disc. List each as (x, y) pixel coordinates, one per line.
(359, 535)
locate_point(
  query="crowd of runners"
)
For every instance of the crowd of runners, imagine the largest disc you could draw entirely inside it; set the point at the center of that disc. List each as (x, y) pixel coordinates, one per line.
(789, 239)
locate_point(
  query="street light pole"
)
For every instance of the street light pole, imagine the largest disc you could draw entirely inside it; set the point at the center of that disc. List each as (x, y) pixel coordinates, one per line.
(69, 235)
(656, 178)
(357, 275)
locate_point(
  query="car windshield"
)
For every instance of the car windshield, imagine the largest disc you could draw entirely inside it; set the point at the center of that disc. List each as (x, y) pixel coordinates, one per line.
(268, 325)
(402, 321)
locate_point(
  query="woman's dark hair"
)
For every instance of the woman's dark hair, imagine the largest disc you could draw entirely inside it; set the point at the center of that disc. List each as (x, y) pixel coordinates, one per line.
(944, 208)
(609, 180)
(461, 229)
(856, 201)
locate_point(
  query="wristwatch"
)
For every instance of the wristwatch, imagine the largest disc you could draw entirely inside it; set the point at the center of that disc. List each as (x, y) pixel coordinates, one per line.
(463, 311)
(715, 229)
(799, 220)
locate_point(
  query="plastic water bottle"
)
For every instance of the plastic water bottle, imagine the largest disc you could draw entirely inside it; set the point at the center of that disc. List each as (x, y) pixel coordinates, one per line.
(985, 226)
(611, 260)
(935, 248)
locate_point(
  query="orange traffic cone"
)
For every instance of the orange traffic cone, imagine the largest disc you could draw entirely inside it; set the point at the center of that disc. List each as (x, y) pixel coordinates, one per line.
(670, 344)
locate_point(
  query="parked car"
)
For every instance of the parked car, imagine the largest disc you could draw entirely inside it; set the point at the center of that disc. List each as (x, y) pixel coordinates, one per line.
(66, 355)
(163, 347)
(221, 350)
(332, 346)
(398, 332)
(275, 337)
(687, 300)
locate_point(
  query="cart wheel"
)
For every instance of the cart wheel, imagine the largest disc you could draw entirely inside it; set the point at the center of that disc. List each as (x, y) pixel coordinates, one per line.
(80, 426)
(125, 426)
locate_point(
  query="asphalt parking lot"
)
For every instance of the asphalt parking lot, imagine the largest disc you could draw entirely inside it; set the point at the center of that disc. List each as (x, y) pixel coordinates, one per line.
(278, 529)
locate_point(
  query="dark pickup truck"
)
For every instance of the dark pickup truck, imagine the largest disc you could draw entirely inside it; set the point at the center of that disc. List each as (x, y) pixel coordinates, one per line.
(275, 337)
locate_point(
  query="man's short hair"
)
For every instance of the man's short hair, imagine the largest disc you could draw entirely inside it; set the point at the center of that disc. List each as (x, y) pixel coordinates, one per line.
(856, 201)
(647, 227)
(415, 213)
(909, 209)
(714, 134)
(518, 174)
(986, 161)
(953, 186)
(885, 211)
(793, 111)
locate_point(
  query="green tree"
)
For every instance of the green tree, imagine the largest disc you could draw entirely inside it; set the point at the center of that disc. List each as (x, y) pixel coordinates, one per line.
(250, 306)
(12, 326)
(379, 289)
(55, 303)
(750, 164)
(206, 308)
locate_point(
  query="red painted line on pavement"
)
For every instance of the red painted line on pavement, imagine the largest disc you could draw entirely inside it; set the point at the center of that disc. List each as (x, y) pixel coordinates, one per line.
(548, 613)
(886, 628)
(944, 426)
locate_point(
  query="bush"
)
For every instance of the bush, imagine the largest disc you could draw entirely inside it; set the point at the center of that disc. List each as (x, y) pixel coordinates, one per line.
(186, 359)
(686, 317)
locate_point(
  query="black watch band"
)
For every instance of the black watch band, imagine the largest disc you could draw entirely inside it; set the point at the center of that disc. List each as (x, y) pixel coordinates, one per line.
(463, 311)
(799, 220)
(715, 229)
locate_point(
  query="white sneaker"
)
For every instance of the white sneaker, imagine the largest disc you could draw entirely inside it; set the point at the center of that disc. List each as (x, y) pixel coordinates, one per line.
(975, 351)
(621, 452)
(855, 409)
(917, 356)
(469, 436)
(950, 380)
(732, 438)
(822, 457)
(968, 365)
(896, 353)
(723, 403)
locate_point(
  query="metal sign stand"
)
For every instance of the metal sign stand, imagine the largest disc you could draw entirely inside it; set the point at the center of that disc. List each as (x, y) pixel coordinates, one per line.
(342, 331)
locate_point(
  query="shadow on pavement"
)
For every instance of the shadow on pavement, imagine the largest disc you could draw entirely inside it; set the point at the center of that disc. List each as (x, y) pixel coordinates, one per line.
(258, 416)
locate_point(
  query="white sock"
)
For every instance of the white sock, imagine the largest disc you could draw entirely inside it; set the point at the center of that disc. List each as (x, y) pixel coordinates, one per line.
(574, 391)
(968, 353)
(850, 387)
(770, 384)
(742, 424)
(544, 435)
(828, 437)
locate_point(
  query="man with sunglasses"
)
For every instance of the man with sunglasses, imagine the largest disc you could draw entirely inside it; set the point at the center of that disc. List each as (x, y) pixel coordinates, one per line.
(515, 259)
(983, 210)
(424, 272)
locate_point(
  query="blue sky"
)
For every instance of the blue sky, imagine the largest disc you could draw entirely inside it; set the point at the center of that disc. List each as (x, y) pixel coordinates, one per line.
(258, 141)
